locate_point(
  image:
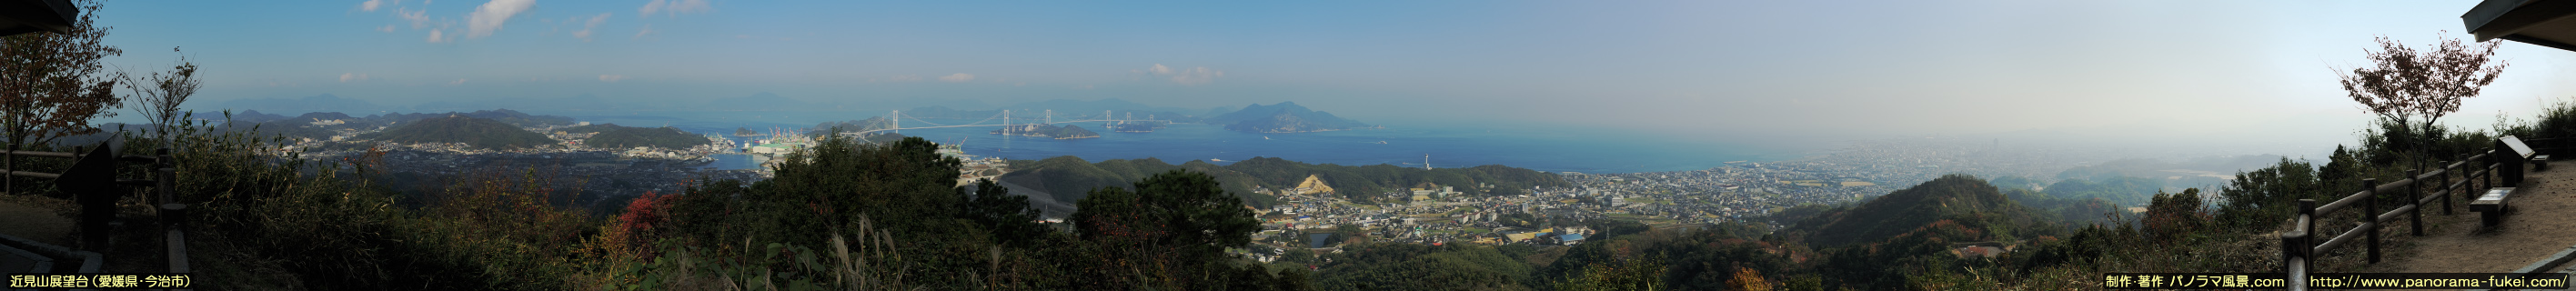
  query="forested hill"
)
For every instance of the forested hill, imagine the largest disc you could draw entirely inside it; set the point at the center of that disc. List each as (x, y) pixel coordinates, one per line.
(1068, 177)
(1954, 208)
(477, 132)
(1285, 117)
(505, 116)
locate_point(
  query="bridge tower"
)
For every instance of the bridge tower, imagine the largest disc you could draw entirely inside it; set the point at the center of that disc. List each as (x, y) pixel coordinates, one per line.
(1006, 124)
(896, 119)
(1050, 116)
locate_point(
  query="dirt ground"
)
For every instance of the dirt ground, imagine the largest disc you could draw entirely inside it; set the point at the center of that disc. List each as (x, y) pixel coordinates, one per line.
(2537, 226)
(35, 218)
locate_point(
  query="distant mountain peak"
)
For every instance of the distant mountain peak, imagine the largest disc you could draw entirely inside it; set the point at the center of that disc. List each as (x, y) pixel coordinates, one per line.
(1284, 117)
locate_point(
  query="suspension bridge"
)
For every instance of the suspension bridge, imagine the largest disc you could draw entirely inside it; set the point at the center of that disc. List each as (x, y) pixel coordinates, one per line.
(1011, 127)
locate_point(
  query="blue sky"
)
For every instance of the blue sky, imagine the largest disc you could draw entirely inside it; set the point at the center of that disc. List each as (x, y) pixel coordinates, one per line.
(2253, 72)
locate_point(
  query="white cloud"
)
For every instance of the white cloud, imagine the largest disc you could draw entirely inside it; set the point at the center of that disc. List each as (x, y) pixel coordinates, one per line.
(491, 15)
(457, 82)
(346, 77)
(906, 78)
(370, 5)
(586, 27)
(437, 37)
(673, 7)
(386, 28)
(958, 77)
(418, 18)
(611, 78)
(1190, 76)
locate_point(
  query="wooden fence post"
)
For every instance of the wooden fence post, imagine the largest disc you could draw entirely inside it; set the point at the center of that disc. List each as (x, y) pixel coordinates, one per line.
(2307, 227)
(2414, 198)
(2370, 216)
(2450, 194)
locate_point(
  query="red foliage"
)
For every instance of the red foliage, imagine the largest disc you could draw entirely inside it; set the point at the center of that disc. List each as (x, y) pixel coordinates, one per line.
(642, 223)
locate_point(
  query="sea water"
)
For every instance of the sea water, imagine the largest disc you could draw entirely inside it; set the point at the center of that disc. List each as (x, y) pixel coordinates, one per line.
(1403, 144)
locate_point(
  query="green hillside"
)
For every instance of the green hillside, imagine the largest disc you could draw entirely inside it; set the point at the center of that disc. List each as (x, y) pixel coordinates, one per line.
(1940, 207)
(477, 132)
(1069, 178)
(1384, 178)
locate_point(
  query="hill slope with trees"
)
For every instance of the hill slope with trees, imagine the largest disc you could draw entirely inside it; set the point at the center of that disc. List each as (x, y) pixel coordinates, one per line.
(477, 132)
(1285, 117)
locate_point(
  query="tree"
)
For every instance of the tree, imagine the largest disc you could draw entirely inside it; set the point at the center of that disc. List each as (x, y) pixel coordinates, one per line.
(2414, 89)
(160, 102)
(52, 85)
(1170, 232)
(1010, 217)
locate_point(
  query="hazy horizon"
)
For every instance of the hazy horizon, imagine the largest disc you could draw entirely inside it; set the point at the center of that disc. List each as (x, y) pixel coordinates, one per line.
(2247, 78)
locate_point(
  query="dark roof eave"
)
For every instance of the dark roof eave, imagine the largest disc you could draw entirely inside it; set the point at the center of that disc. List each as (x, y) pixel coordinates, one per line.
(27, 16)
(2511, 19)
(2540, 42)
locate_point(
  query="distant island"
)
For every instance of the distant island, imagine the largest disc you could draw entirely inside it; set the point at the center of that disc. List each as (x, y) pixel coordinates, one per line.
(1285, 117)
(613, 136)
(1048, 131)
(745, 131)
(474, 132)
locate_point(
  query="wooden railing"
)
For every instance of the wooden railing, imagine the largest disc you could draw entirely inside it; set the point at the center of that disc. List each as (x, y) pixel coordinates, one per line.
(2299, 248)
(91, 182)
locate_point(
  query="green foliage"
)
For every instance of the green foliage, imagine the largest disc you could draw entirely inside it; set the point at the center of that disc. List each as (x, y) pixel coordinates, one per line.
(476, 132)
(1625, 275)
(2267, 196)
(267, 220)
(507, 224)
(1700, 260)
(1610, 228)
(1951, 197)
(1168, 234)
(2558, 120)
(2125, 190)
(619, 137)
(1399, 266)
(2018, 182)
(1795, 214)
(1009, 216)
(2172, 217)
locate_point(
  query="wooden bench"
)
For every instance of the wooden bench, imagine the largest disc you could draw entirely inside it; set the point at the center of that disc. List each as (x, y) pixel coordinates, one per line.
(2491, 205)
